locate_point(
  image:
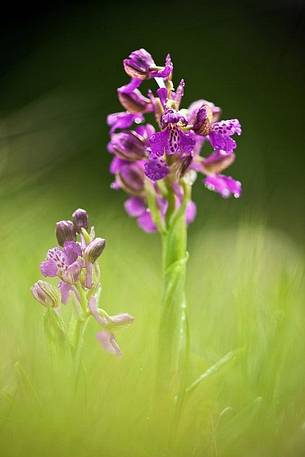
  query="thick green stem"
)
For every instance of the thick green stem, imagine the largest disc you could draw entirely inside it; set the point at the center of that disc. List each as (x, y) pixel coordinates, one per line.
(173, 332)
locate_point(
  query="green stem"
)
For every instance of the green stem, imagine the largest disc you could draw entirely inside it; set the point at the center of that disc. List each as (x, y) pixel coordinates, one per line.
(79, 333)
(82, 298)
(173, 347)
(153, 206)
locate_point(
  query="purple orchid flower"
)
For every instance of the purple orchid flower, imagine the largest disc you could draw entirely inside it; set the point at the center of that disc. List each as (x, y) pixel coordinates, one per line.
(165, 157)
(65, 263)
(218, 133)
(171, 141)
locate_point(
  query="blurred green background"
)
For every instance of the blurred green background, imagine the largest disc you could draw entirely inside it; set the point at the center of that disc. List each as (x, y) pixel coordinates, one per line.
(60, 67)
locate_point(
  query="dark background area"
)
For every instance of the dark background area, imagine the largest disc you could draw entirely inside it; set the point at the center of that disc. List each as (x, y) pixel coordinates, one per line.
(61, 65)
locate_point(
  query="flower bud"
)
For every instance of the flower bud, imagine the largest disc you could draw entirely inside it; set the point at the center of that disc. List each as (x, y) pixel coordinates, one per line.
(94, 249)
(131, 178)
(138, 64)
(65, 231)
(80, 219)
(45, 293)
(127, 146)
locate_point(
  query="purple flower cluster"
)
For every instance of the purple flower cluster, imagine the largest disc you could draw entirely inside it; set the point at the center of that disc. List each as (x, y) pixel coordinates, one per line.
(73, 263)
(163, 157)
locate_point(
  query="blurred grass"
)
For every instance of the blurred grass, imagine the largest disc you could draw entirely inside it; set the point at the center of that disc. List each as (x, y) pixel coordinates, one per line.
(246, 269)
(245, 291)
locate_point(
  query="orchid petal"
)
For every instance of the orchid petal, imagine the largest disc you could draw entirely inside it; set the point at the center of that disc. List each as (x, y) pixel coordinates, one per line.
(108, 342)
(48, 268)
(135, 206)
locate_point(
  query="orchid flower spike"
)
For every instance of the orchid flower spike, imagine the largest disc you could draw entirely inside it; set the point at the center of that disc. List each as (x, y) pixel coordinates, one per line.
(160, 157)
(74, 265)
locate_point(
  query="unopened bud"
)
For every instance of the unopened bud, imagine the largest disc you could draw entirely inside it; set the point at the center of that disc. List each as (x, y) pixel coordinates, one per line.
(80, 219)
(138, 64)
(45, 293)
(65, 231)
(94, 249)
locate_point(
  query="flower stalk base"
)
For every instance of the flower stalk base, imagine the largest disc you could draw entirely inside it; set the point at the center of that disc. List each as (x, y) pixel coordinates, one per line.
(173, 345)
